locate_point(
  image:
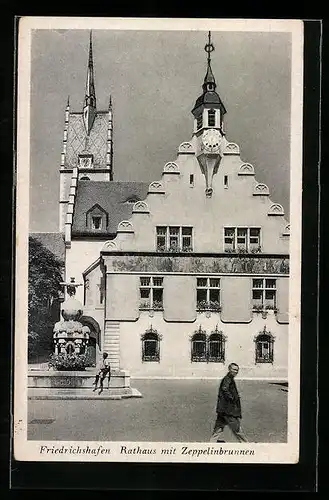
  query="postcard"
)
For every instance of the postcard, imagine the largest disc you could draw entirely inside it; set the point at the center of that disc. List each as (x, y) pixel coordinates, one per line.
(158, 240)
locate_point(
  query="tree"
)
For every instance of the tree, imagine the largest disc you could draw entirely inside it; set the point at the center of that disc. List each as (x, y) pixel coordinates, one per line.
(45, 276)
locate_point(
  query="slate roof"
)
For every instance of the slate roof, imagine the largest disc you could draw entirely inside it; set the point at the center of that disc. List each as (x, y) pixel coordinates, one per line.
(111, 197)
(53, 242)
(79, 142)
(209, 99)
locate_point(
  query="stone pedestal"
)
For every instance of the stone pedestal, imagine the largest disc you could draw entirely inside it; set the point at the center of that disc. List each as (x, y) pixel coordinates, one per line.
(49, 384)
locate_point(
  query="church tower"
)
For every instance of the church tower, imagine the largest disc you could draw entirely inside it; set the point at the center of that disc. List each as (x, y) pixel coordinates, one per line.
(87, 153)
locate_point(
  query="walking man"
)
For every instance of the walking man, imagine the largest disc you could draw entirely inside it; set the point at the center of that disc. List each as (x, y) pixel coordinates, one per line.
(103, 369)
(228, 408)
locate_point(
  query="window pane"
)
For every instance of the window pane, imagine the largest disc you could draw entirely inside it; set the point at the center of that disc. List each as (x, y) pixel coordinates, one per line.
(214, 295)
(145, 281)
(254, 231)
(242, 232)
(150, 347)
(157, 294)
(187, 231)
(187, 242)
(201, 282)
(270, 283)
(214, 282)
(157, 281)
(257, 283)
(201, 295)
(269, 294)
(161, 230)
(174, 230)
(229, 231)
(145, 293)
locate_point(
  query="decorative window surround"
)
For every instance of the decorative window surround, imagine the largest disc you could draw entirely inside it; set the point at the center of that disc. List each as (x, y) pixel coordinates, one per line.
(264, 347)
(208, 349)
(151, 345)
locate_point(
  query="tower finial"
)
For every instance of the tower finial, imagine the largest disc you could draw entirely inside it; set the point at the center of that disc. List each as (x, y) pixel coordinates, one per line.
(89, 107)
(209, 48)
(209, 79)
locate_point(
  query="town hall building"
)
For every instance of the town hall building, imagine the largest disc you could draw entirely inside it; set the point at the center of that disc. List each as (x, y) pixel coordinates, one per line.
(183, 275)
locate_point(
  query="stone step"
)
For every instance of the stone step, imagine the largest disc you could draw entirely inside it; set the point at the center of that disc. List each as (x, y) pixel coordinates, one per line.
(82, 394)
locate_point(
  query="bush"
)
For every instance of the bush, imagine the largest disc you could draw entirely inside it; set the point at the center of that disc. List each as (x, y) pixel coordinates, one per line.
(74, 362)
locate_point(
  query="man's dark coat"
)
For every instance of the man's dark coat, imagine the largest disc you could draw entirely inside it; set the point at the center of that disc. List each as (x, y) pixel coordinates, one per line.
(228, 401)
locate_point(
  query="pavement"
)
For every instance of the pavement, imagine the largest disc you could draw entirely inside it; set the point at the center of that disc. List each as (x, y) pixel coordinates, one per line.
(170, 410)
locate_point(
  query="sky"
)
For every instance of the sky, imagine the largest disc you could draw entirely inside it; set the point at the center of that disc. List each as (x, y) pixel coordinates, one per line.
(154, 78)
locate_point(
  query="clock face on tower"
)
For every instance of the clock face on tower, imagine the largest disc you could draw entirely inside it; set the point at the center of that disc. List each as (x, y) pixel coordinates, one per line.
(211, 141)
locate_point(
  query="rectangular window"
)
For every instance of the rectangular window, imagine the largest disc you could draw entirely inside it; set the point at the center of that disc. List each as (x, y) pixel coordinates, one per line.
(96, 222)
(208, 294)
(174, 239)
(151, 292)
(225, 181)
(186, 238)
(242, 239)
(191, 180)
(264, 293)
(211, 118)
(161, 237)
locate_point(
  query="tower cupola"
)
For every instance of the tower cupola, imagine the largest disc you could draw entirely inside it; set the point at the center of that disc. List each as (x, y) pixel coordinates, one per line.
(209, 109)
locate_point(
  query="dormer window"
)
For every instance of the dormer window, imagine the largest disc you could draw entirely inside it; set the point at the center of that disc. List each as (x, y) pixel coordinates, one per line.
(97, 219)
(96, 222)
(211, 118)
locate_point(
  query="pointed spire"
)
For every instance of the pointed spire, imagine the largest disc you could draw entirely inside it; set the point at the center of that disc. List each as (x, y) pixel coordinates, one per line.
(209, 80)
(89, 108)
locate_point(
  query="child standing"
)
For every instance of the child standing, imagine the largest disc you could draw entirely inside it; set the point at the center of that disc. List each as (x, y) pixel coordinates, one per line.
(103, 369)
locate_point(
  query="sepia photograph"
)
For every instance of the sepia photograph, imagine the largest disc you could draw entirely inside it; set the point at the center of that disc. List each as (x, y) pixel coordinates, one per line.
(158, 240)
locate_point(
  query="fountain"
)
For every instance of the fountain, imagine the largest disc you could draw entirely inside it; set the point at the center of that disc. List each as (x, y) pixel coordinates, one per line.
(71, 338)
(70, 375)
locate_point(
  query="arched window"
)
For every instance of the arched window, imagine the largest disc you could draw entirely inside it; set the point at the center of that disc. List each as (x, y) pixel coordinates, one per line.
(151, 345)
(199, 346)
(85, 178)
(216, 347)
(264, 343)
